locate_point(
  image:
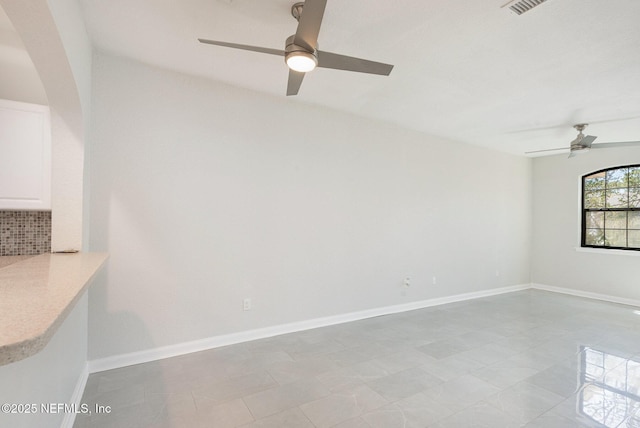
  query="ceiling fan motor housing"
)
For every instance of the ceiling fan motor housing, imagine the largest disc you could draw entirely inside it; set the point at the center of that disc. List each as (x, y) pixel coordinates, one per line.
(577, 143)
(293, 50)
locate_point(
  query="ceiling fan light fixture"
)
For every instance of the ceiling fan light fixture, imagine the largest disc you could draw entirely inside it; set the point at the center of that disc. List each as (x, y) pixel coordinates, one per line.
(578, 148)
(301, 61)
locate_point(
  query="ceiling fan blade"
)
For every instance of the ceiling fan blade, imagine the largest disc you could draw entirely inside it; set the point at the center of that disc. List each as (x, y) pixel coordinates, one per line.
(244, 47)
(586, 141)
(349, 63)
(309, 25)
(569, 122)
(582, 147)
(295, 80)
(547, 150)
(616, 144)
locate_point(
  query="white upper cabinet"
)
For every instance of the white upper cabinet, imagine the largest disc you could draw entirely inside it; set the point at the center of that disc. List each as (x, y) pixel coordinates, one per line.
(25, 156)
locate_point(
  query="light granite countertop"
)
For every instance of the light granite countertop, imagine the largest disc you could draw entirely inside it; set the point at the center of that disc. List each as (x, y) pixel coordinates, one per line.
(9, 260)
(36, 294)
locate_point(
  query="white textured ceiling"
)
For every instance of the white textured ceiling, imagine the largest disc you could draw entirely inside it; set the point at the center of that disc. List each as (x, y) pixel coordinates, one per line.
(19, 80)
(468, 70)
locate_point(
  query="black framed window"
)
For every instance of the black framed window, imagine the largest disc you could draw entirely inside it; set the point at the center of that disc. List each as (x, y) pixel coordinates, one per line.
(611, 208)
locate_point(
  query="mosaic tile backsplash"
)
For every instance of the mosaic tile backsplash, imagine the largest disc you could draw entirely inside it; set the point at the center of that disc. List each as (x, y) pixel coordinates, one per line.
(25, 233)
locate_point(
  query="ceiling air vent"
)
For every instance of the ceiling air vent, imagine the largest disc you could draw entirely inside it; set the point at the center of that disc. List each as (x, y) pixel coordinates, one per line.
(522, 6)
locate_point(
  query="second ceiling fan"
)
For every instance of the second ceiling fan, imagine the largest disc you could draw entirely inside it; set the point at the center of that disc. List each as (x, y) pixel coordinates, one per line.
(301, 49)
(583, 143)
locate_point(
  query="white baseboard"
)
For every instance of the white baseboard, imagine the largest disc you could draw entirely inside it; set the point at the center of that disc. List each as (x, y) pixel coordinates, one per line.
(587, 294)
(76, 398)
(145, 356)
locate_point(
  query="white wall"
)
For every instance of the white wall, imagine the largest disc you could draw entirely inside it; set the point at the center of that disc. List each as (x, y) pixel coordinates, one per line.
(50, 376)
(556, 230)
(205, 194)
(71, 227)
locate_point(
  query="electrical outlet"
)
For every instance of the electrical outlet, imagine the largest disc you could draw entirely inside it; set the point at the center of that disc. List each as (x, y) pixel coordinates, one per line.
(434, 281)
(246, 304)
(407, 282)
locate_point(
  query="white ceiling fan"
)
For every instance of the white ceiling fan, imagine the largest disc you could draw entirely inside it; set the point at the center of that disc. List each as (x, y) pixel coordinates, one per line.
(301, 49)
(584, 143)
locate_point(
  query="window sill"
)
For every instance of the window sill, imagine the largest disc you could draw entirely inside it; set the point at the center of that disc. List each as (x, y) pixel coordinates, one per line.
(610, 252)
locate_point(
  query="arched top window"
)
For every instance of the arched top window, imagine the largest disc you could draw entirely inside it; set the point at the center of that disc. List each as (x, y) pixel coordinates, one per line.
(611, 208)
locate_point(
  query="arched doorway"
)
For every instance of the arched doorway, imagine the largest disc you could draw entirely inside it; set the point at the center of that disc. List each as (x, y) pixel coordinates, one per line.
(53, 34)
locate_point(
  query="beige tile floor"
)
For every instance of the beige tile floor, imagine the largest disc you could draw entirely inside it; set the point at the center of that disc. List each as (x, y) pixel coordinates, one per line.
(529, 358)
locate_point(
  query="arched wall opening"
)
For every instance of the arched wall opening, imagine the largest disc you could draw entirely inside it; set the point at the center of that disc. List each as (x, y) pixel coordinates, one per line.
(54, 36)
